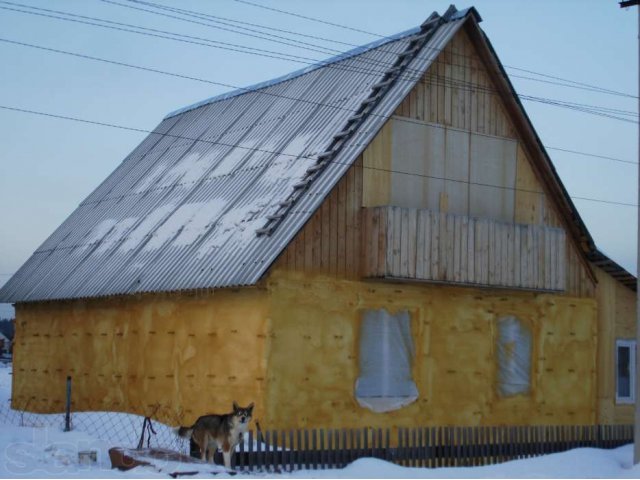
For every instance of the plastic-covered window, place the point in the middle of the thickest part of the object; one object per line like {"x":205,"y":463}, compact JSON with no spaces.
{"x":514,"y":357}
{"x":386,"y":355}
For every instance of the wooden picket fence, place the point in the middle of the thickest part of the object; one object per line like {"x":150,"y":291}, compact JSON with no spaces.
{"x":274,"y":451}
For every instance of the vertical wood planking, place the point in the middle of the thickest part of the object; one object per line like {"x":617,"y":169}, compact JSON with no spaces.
{"x":457,"y":249}
{"x":422,"y":248}
{"x":470,"y":266}
{"x":403,"y":254}
{"x":383,"y":242}
{"x":435,"y":245}
{"x":412,"y":242}
{"x":332,"y":240}
{"x":443,"y":245}
{"x":427,"y":245}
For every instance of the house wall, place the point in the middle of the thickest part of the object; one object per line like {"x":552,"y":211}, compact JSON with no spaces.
{"x":616,"y":321}
{"x":318,"y":295}
{"x":313,"y":362}
{"x":330,"y":241}
{"x":171,"y":356}
{"x":440,"y":106}
{"x":453,"y":120}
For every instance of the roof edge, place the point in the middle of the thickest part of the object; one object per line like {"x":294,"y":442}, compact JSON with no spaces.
{"x":578,"y":229}
{"x":451,"y":14}
{"x":613,"y":269}
{"x":296,"y":73}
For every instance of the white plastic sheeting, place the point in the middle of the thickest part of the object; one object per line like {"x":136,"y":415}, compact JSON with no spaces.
{"x":386,"y":355}
{"x":514,"y":357}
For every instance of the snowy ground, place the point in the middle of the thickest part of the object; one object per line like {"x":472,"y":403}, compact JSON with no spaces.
{"x":28,"y":452}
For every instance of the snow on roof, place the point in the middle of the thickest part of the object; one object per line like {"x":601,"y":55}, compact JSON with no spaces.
{"x":182,"y":211}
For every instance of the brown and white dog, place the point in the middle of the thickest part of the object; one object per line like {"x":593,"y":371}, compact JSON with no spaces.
{"x":219,"y":431}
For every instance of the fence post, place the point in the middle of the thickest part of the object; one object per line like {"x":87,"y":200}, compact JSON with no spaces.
{"x":67,"y":416}
{"x":292,"y":452}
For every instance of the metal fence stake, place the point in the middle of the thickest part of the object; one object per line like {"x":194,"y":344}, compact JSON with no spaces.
{"x":67,"y":416}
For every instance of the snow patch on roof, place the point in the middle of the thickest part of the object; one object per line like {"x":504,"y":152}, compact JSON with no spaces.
{"x":116,"y":233}
{"x":201,"y":220}
{"x":98,"y":232}
{"x":134,"y":239}
{"x":239,"y":222}
{"x":234,"y":158}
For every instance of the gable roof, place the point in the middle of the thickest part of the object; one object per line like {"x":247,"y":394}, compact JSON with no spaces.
{"x":217,"y":191}
{"x":220,"y":188}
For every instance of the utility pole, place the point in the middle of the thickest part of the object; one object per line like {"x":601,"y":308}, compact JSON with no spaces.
{"x":636,"y":428}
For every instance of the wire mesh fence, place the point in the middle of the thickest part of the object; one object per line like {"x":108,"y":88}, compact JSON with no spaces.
{"x":116,"y":428}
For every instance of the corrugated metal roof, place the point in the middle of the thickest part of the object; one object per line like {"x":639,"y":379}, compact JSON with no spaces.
{"x":182,"y":210}
{"x":619,"y":273}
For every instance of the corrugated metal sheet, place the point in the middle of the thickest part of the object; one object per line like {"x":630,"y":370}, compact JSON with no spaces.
{"x":182,"y":210}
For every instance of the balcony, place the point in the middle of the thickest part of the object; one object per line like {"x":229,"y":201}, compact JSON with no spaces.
{"x":424,"y":245}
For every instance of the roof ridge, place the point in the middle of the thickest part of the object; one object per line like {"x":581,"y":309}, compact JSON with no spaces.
{"x":297,"y":73}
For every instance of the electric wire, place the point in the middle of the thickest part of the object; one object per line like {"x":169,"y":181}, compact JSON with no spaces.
{"x":261,"y":35}
{"x":264,"y":92}
{"x":322,"y":49}
{"x":260,"y":52}
{"x":217,"y":18}
{"x":346,"y":27}
{"x":280,"y":153}
{"x":313,"y":19}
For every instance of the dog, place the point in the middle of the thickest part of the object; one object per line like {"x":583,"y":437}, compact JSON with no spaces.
{"x":219,"y":431}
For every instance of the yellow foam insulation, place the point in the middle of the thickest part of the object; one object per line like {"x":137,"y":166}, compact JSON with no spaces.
{"x":174,"y":357}
{"x":292,"y":348}
{"x":313,"y":361}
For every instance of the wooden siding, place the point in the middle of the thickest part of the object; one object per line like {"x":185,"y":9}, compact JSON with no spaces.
{"x":458,"y":92}
{"x":376,"y":162}
{"x":442,"y":168}
{"x":532,"y":204}
{"x":330,"y":241}
{"x":418,"y":244}
{"x":616,"y":321}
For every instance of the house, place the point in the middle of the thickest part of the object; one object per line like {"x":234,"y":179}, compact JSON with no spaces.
{"x":5,"y":344}
{"x":380,"y":239}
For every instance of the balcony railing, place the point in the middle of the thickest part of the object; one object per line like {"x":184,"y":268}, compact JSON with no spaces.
{"x":423,"y":245}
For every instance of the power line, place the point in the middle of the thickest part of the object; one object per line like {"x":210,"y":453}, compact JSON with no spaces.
{"x":317,"y":48}
{"x":241,"y":22}
{"x":207,"y":17}
{"x":259,"y":52}
{"x":198,"y":41}
{"x":280,"y":153}
{"x":254,"y":51}
{"x":159,"y":33}
{"x":578,"y":84}
{"x":346,"y":27}
{"x":277,"y":38}
{"x":263,"y":92}
{"x":604,"y":157}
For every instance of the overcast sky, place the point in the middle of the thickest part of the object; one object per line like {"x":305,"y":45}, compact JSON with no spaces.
{"x":48,"y":166}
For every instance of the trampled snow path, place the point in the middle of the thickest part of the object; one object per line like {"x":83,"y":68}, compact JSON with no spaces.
{"x":27,"y":452}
